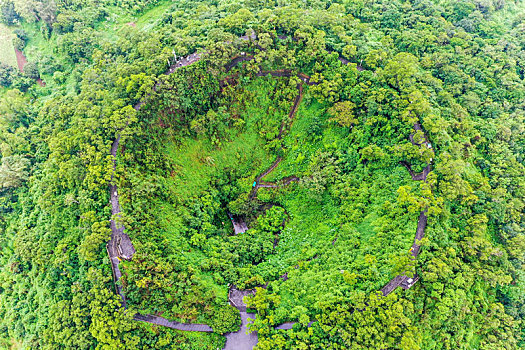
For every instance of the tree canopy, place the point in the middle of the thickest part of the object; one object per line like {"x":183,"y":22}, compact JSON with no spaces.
{"x":327,"y":127}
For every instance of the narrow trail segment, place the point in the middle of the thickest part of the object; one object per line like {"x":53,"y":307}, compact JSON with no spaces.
{"x":120,"y":246}
{"x":241,"y":339}
{"x":161,"y":321}
{"x":291,"y":116}
{"x":403,"y":280}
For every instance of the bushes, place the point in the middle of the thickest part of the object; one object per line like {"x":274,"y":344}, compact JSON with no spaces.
{"x":19,"y":41}
{"x":8,"y":14}
{"x":59,"y":77}
{"x":21,"y":82}
{"x":48,"y":65}
{"x":11,"y":78}
{"x":13,"y":171}
{"x":31,"y":70}
{"x":77,"y":45}
{"x":226,"y":320}
{"x":7,"y":75}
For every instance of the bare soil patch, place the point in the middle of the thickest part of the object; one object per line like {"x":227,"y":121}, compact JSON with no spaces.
{"x":21,"y":60}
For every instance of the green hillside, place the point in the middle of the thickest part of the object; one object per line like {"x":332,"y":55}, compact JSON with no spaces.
{"x":356,"y":167}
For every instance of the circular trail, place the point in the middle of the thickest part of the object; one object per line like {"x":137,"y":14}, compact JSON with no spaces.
{"x":120,"y":245}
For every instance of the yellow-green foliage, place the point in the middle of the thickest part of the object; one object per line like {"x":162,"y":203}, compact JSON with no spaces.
{"x":7,"y":51}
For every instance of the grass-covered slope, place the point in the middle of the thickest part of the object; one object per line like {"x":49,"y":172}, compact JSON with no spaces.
{"x":7,"y":51}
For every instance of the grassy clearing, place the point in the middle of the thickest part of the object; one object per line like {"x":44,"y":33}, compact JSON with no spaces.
{"x":198,"y":162}
{"x":150,"y":17}
{"x":119,"y":20}
{"x":303,"y":140}
{"x":7,"y":50}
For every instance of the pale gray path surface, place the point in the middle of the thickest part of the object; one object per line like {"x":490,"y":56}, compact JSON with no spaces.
{"x":161,"y":321}
{"x":240,"y":340}
{"x":239,"y":225}
{"x":289,"y":325}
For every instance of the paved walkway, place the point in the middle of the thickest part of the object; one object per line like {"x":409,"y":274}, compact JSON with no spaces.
{"x":241,"y":340}
{"x":403,"y":280}
{"x":161,"y":321}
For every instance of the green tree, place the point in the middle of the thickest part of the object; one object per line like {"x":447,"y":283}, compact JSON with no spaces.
{"x":343,"y":113}
{"x":13,"y":171}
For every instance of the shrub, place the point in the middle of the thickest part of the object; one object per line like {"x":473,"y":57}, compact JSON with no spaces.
{"x":226,"y":320}
{"x":59,"y":77}
{"x":31,"y":70}
{"x":7,"y":74}
{"x":21,"y":82}
{"x":18,"y":43}
{"x":8,"y":14}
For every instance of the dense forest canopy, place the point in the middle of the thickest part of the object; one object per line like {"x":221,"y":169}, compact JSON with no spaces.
{"x":328,"y":127}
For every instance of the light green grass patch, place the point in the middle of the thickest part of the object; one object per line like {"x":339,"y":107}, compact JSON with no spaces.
{"x":7,"y":50}
{"x":150,"y":17}
{"x":197,"y":162}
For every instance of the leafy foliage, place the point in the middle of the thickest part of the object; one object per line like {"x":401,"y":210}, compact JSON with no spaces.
{"x":318,"y":249}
